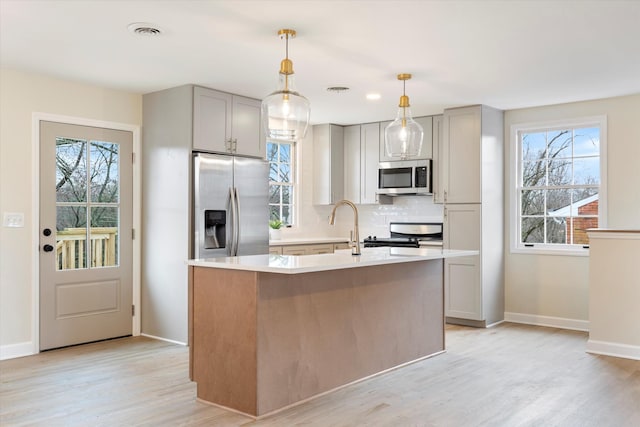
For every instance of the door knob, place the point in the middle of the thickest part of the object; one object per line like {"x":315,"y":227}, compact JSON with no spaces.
{"x":46,"y":232}
{"x":47,"y":248}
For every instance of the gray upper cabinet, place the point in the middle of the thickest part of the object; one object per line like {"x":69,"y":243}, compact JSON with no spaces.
{"x":436,"y":168}
{"x":427,"y":140}
{"x":352,"y":153}
{"x":361,"y":163}
{"x":369,"y":159}
{"x":328,"y":164}
{"x":226,"y":123}
{"x":471,"y":152}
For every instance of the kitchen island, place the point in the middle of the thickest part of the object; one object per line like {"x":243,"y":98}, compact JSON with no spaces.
{"x":269,"y":331}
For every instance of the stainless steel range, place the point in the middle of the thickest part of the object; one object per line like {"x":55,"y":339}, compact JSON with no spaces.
{"x":409,"y":235}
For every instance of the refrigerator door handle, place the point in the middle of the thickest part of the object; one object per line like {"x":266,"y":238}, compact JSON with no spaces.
{"x":234,"y":216}
{"x":236,"y":227}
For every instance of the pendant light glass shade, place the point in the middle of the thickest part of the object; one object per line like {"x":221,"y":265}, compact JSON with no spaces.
{"x":286,"y":113}
{"x":403,"y":136}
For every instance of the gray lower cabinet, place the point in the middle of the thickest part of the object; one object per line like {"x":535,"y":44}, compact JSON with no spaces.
{"x":307,"y":249}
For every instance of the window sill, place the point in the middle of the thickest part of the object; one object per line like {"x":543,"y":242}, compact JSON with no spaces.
{"x":554,"y":252}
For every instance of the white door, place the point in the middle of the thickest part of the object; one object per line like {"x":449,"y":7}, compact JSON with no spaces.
{"x":86,"y":248}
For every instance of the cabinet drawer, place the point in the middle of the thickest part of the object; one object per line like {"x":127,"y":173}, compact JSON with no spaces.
{"x":294,"y":250}
{"x":275,"y":250}
{"x":307,"y":249}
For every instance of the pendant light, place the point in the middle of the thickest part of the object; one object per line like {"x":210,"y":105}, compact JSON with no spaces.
{"x":285,"y":113}
{"x":403,"y":136}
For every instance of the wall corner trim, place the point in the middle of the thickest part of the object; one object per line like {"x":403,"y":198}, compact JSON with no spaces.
{"x":11,"y":351}
{"x":549,"y":321}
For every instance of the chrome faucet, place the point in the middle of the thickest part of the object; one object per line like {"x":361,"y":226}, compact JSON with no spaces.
{"x":354,"y":236}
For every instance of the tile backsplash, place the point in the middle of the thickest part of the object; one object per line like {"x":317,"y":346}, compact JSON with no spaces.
{"x":373,"y":219}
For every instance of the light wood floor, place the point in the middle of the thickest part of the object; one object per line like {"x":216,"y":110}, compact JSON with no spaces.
{"x":510,"y":375}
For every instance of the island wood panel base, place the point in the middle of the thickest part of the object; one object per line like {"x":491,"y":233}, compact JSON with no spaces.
{"x":265,"y":341}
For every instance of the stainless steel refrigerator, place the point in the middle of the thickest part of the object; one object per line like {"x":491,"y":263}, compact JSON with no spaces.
{"x":230,"y":206}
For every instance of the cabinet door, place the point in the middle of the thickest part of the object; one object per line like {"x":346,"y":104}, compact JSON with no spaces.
{"x":462,"y":227}
{"x":383,"y":154}
{"x":352,"y":172}
{"x":462,"y":290}
{"x":462,"y":150}
{"x":246,"y":129}
{"x":275,"y":250}
{"x":320,"y":249}
{"x":328,"y":164}
{"x":437,"y":160}
{"x":211,"y":120}
{"x":426,"y":151}
{"x":369,"y":159}
{"x":294,"y":250}
{"x":463,"y":287}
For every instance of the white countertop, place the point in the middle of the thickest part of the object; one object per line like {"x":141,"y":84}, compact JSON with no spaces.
{"x":307,"y":241}
{"x":287,"y":264}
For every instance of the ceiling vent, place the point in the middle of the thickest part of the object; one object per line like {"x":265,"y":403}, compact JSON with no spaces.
{"x":337,"y":89}
{"x":144,"y":29}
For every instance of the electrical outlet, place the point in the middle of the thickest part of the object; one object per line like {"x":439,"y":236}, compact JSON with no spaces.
{"x":13,"y":219}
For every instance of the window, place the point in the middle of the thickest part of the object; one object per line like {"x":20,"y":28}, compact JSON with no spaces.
{"x":559,"y":185}
{"x":281,"y":181}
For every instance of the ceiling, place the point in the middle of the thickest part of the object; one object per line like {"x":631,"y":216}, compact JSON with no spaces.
{"x":506,"y":54}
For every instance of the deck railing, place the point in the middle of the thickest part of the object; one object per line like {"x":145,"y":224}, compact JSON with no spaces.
{"x":71,"y":250}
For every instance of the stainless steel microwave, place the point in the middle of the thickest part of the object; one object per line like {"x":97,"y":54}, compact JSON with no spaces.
{"x":406,"y":177}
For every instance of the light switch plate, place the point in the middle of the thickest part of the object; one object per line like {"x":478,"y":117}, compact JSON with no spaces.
{"x":13,"y":219}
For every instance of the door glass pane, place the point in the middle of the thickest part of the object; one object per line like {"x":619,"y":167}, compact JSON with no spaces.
{"x":71,"y":170}
{"x":73,"y":157}
{"x":104,"y":236}
{"x":105,"y":182}
{"x":71,"y":237}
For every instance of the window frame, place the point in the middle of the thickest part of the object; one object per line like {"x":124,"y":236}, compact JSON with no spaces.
{"x":293,"y":182}
{"x":515,"y":208}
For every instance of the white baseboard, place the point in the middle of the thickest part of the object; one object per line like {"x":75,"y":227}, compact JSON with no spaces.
{"x":12,"y":351}
{"x":614,"y":349}
{"x":553,"y":322}
{"x":164,"y":339}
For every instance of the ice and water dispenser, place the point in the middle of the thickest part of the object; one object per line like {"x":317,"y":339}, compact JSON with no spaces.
{"x":214,"y":229}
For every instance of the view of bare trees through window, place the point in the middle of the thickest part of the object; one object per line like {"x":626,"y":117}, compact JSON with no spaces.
{"x":560,"y":181}
{"x":87,"y":205}
{"x":280,"y":155}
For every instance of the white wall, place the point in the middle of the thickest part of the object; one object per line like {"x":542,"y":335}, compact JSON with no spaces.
{"x":313,"y":220}
{"x":551,"y":289}
{"x":21,"y":95}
